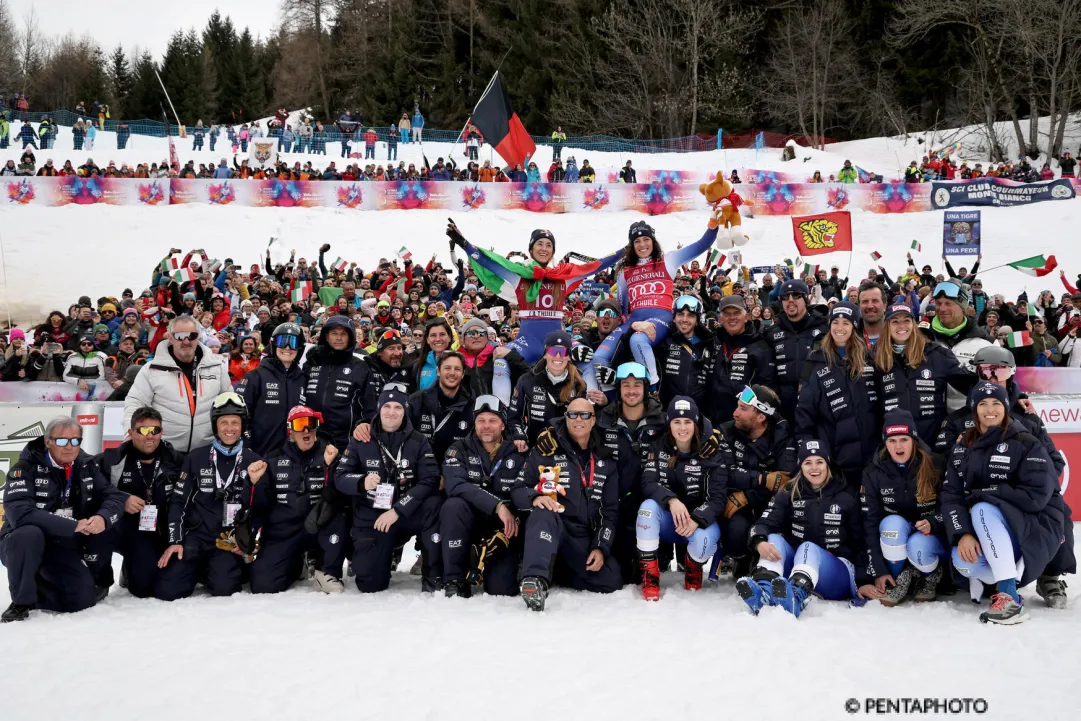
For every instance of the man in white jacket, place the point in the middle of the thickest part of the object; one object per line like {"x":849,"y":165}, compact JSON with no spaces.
{"x":86,"y":366}
{"x":181,"y":382}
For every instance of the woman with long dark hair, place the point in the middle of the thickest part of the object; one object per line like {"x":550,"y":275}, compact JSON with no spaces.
{"x":902,"y":523}
{"x":1000,"y":493}
{"x":685,"y":494}
{"x":542,"y":394}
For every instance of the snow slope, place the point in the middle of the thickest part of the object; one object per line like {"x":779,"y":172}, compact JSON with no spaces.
{"x":405,"y":655}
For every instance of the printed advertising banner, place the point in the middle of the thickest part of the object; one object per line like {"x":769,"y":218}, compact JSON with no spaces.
{"x":997,"y":191}
{"x":670,"y":192}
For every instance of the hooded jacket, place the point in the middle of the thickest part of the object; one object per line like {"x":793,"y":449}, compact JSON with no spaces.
{"x":334,"y":384}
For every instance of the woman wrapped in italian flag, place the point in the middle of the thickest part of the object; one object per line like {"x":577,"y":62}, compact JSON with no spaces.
{"x":538,"y":288}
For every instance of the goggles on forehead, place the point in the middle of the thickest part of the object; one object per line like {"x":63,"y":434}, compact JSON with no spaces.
{"x":747,"y":396}
{"x":632,"y":370}
{"x":948,"y":289}
{"x":687,"y":302}
{"x":488,"y":403}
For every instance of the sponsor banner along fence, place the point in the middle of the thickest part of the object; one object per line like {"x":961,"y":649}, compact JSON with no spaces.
{"x":668,"y":192}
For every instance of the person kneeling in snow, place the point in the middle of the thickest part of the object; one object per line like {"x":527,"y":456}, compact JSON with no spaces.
{"x":211,"y":530}
{"x":821,"y":513}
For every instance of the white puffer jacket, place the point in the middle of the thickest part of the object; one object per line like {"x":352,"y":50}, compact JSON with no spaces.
{"x":185,"y":417}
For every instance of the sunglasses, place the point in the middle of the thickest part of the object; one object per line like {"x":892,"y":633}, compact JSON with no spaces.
{"x":192,"y":336}
{"x":475,"y":333}
{"x":747,"y":396}
{"x":299,"y":425}
{"x":557,"y":351}
{"x":148,"y":431}
{"x":607,"y":313}
{"x":86,"y":344}
{"x":791,"y":296}
{"x":579,"y":415}
{"x":286,"y":341}
{"x":65,"y":442}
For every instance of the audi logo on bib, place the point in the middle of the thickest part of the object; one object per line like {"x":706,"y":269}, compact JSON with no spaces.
{"x":649,"y":286}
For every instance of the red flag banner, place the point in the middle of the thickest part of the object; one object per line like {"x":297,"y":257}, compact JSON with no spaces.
{"x":500,"y":125}
{"x":822,"y":232}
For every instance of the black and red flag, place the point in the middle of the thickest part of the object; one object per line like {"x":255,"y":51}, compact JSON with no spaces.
{"x":501,"y":126}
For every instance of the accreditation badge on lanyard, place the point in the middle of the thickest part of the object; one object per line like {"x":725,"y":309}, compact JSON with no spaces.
{"x":384,"y":492}
{"x":148,"y":516}
{"x":229,"y":510}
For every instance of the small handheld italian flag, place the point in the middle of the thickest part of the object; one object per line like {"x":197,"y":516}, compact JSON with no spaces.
{"x":183,"y":275}
{"x":301,"y":291}
{"x":916,"y":246}
{"x":1019,"y":339}
{"x":809,"y":269}
{"x":1037,"y":265}
{"x":340,"y":264}
{"x":169,"y":265}
{"x":214,"y":265}
{"x":404,"y":253}
{"x":716,"y":258}
{"x":876,"y":256}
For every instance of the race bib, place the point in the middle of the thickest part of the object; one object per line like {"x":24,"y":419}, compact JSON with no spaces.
{"x":231,"y":509}
{"x":148,"y":518}
{"x":384,"y":496}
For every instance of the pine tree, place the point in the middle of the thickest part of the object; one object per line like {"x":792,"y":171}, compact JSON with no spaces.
{"x":122,"y":81}
{"x":145,"y":98}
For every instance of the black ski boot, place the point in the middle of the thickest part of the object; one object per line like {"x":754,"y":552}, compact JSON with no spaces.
{"x":1052,"y":590}
{"x":534,"y":591}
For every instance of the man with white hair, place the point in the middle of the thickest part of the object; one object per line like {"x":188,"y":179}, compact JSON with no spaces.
{"x":57,"y":506}
{"x":181,"y":382}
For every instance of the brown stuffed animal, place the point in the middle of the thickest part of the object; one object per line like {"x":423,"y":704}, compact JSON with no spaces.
{"x":548,"y":484}
{"x":725,"y":202}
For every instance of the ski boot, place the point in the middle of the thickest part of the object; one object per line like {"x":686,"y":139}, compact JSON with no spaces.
{"x":461,"y":589}
{"x":927,"y":586}
{"x":1052,"y":590}
{"x":692,"y":576}
{"x":792,"y":594}
{"x":534,"y":591}
{"x":651,"y":576}
{"x":902,"y":584}
{"x":1004,"y":611}
{"x":327,"y":584}
{"x":757,"y":591}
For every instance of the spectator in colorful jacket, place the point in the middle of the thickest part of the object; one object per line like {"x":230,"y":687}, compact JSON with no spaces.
{"x":848,"y":173}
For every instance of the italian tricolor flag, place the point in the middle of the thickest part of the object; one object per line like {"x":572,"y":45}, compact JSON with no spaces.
{"x":716,"y":258}
{"x":809,"y":269}
{"x":1019,"y":339}
{"x":183,"y":275}
{"x":404,"y":253}
{"x":301,"y":291}
{"x":1037,"y":265}
{"x":916,"y":246}
{"x":169,"y":265}
{"x":340,"y":264}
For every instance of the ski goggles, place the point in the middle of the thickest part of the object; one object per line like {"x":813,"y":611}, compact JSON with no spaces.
{"x":747,"y":396}
{"x":147,"y":431}
{"x":557,"y":351}
{"x":65,"y":442}
{"x":390,"y":335}
{"x":307,"y":423}
{"x":227,"y":398}
{"x":607,"y":313}
{"x":948,"y":289}
{"x":286,"y":341}
{"x":632,"y":370}
{"x":994,"y":372}
{"x":489,"y":404}
{"x":688,"y":303}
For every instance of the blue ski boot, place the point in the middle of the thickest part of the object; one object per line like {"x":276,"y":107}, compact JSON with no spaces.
{"x":756,"y":594}
{"x":792,"y":595}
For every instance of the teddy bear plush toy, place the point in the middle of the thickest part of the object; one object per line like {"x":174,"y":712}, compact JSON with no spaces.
{"x":548,"y":484}
{"x":725,"y":202}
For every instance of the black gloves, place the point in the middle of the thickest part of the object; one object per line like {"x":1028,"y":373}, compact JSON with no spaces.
{"x":581,"y":354}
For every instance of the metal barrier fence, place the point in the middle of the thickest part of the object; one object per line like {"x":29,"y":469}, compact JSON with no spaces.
{"x":608,"y":143}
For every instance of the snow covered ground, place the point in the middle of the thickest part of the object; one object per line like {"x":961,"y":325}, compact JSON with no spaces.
{"x":405,"y":655}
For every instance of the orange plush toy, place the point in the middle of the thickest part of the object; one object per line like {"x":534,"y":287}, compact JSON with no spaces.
{"x":725,"y":202}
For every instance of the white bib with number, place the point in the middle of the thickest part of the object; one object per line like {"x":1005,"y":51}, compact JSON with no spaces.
{"x":231,"y":509}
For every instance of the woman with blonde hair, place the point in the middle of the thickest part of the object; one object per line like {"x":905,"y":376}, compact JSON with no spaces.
{"x":914,"y":373}
{"x":837,"y":400}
